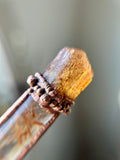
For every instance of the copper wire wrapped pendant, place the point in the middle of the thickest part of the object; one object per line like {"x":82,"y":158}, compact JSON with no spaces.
{"x":43,"y":93}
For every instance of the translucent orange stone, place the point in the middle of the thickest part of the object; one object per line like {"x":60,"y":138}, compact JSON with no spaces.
{"x":70,"y":72}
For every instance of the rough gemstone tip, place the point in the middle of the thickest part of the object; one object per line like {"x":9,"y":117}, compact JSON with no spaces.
{"x":70,"y":72}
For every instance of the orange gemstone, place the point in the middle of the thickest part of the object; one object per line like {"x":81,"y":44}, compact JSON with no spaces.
{"x":70,"y":72}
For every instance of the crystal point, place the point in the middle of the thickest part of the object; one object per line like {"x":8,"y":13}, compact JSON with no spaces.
{"x":70,"y":72}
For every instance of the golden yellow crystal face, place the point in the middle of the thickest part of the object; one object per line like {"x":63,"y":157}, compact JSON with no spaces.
{"x":70,"y":72}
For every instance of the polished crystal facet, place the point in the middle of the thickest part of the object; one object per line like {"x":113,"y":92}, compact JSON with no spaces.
{"x":70,"y":72}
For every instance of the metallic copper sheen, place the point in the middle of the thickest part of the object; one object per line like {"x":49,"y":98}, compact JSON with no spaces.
{"x":46,"y":96}
{"x":32,"y":80}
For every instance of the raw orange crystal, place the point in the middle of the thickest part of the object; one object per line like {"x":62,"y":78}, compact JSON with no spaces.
{"x":70,"y":72}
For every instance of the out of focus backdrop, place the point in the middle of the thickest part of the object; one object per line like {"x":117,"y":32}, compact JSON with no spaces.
{"x":31,"y":34}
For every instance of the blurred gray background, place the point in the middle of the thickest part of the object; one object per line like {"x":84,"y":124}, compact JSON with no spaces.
{"x":31,"y":34}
